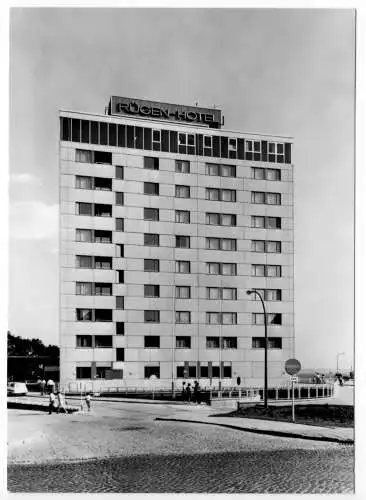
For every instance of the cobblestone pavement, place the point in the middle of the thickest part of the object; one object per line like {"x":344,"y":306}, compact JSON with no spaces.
{"x":139,"y":454}
{"x":276,"y":471}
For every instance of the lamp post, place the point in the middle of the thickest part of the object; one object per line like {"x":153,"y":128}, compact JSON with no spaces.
{"x":338,"y":355}
{"x":265,"y":392}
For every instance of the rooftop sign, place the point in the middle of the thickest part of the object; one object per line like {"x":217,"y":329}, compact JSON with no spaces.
{"x":210,"y":117}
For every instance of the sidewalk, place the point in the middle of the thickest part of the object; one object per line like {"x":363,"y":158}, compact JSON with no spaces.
{"x":269,"y":427}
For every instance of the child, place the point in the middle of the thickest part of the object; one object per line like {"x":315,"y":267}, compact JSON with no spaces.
{"x":88,"y":400}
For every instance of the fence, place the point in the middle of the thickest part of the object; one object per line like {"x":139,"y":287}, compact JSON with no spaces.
{"x":280,"y":393}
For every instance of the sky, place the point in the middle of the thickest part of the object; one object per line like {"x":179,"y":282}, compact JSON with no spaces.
{"x":271,"y":71}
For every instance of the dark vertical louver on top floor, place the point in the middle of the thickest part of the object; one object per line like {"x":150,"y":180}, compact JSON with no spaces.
{"x":241,"y":149}
{"x":148,"y":139}
{"x":173,"y":142}
{"x":287,"y":152}
{"x":224,"y":147}
{"x":111,"y":134}
{"x":264,"y":150}
{"x":199,"y":144}
{"x":216,"y":146}
{"x":165,"y":141}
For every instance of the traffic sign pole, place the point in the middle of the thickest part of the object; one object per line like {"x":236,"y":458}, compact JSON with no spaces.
{"x":293,"y":399}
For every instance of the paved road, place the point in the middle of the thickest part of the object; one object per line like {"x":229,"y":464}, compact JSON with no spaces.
{"x":144,"y":455}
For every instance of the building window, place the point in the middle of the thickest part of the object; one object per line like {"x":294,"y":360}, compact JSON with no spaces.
{"x":182,"y":292}
{"x":220,"y":219}
{"x":183,"y":342}
{"x":214,"y":194}
{"x":182,"y":266}
{"x":151,"y":265}
{"x":120,"y":328}
{"x":84,"y":315}
{"x":102,"y":262}
{"x":182,"y":166}
{"x":84,"y":261}
{"x":152,"y":342}
{"x":151,"y":291}
{"x":121,"y":276}
{"x":220,"y":170}
{"x":103,"y":289}
{"x":229,"y":343}
{"x":216,"y":293}
{"x":119,"y":224}
{"x":268,"y":294}
{"x":216,"y":318}
{"x":152,"y":316}
{"x":84,"y":288}
{"x":276,"y":152}
{"x":120,"y":354}
{"x":83,"y":156}
{"x":272,"y":319}
{"x":266,"y":198}
{"x":225,"y":269}
{"x":182,"y":242}
{"x":156,"y":140}
{"x":83,"y":182}
{"x":266,"y":246}
{"x":84,"y":341}
{"x":151,"y":240}
{"x":101,"y":210}
{"x":103,"y":315}
{"x":84,"y":235}
{"x":207,"y":145}
{"x":273,"y":342}
{"x":119,"y":198}
{"x":266,"y":270}
{"x":213,"y":318}
{"x":101,"y":236}
{"x":259,"y":221}
{"x":152,"y":370}
{"x":84,"y":208}
{"x":212,"y":342}
{"x":151,"y":214}
{"x":151,"y":188}
{"x":269,"y":174}
{"x":227,"y":372}
{"x":182,"y":192}
{"x":103,"y":341}
{"x":120,"y":302}
{"x":120,"y":250}
{"x":102,"y":371}
{"x":182,"y":216}
{"x":119,"y":172}
{"x":151,"y":163}
{"x":182,"y":317}
{"x":83,"y":372}
{"x":102,"y":184}
{"x":227,"y":244}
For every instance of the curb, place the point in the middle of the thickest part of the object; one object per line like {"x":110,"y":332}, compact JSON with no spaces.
{"x":34,"y":406}
{"x":264,"y":431}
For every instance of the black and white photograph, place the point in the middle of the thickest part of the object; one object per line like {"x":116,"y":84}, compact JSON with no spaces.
{"x":181,"y":268}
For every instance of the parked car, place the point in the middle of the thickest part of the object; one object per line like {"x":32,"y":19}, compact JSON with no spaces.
{"x":17,"y":389}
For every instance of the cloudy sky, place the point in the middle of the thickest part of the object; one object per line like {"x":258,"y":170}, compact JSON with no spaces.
{"x":287,"y":72}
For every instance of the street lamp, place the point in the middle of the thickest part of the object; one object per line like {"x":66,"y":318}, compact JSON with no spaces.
{"x":265,"y":392}
{"x":338,"y":355}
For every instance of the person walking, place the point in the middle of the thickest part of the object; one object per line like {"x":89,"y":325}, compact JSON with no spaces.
{"x":188,"y":393}
{"x":61,"y":402}
{"x":51,"y":402}
{"x":197,"y":392}
{"x":50,"y":385}
{"x":88,"y":401}
{"x":43,"y":386}
{"x":184,"y":395}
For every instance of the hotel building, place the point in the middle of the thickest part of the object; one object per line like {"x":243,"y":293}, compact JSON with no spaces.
{"x":166,"y":221}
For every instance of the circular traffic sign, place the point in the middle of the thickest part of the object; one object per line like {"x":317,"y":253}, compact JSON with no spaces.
{"x":292,"y":366}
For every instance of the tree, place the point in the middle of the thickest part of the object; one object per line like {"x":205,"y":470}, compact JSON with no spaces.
{"x":17,"y":346}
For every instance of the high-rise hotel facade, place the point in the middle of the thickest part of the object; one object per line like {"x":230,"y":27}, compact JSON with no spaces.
{"x":166,"y":221}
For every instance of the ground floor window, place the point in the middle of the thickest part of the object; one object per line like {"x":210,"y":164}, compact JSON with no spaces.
{"x":152,"y":370}
{"x":83,"y":372}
